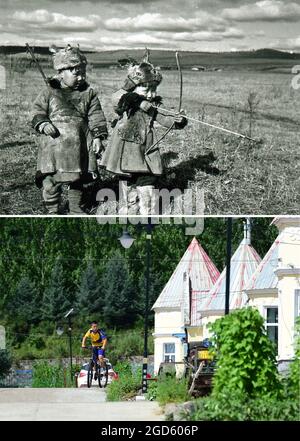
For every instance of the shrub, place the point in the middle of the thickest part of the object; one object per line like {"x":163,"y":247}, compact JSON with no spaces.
{"x":237,"y":408}
{"x":152,"y":390}
{"x":246,"y":362}
{"x":170,"y":389}
{"x":5,"y":362}
{"x":47,"y":375}
{"x":127,"y":343}
{"x":128,"y":384}
{"x":246,"y":385}
{"x":293,"y":381}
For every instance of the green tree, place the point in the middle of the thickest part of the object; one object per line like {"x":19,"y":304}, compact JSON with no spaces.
{"x":5,"y":362}
{"x":57,"y":299}
{"x":29,"y":248}
{"x":119,"y":291}
{"x":90,"y":296}
{"x":25,"y":305}
{"x":294,"y":374}
{"x":246,"y":363}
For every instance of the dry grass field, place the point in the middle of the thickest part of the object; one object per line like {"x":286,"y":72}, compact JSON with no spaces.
{"x":237,"y":176}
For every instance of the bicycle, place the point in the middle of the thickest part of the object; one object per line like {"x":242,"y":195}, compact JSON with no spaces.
{"x":101,"y":372}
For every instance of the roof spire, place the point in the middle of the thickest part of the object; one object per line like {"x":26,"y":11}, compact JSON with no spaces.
{"x":247,"y":231}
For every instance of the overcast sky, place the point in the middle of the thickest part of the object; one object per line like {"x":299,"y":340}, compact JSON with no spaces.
{"x":204,"y":25}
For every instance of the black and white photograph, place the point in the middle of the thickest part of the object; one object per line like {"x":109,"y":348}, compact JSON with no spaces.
{"x":149,"y":215}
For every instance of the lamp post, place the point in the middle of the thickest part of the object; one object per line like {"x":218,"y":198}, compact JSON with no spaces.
{"x":228,"y":262}
{"x":68,"y":316}
{"x":126,"y":241}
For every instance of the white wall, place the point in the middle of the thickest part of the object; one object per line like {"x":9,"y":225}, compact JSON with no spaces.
{"x":288,"y":273}
{"x":286,"y":314}
{"x":262,"y":300}
{"x":205,"y":321}
{"x":167,"y":322}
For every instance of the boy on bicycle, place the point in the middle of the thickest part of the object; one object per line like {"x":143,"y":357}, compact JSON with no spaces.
{"x":99,"y":341}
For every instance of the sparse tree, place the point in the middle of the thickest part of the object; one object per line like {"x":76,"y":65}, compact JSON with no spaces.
{"x":90,"y":296}
{"x":120,"y":293}
{"x":25,"y":304}
{"x":57,"y":298}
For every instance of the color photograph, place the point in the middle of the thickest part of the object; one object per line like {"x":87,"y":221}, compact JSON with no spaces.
{"x":149,"y":215}
{"x":149,"y":323}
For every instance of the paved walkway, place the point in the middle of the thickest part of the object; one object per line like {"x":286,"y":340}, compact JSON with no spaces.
{"x":72,"y":405}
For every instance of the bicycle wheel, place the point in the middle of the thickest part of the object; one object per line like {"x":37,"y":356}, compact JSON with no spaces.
{"x":90,"y":374}
{"x":103,"y":375}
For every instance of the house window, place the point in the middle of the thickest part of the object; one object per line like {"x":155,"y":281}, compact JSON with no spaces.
{"x":297,"y":303}
{"x":272,"y":323}
{"x":169,"y":352}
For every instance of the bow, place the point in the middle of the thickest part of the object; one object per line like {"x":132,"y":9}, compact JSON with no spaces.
{"x":231,"y":132}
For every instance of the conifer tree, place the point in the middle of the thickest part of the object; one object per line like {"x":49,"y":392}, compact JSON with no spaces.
{"x":120,"y":293}
{"x":90,"y":298}
{"x":57,"y":299}
{"x":25,"y":304}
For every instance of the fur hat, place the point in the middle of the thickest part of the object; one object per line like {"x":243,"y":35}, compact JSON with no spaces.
{"x":144,"y":72}
{"x":67,"y":57}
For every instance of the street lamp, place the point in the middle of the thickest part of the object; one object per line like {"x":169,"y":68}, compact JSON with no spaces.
{"x":59,"y":331}
{"x":126,"y":241}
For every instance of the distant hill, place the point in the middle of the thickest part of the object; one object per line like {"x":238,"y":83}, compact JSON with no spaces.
{"x":261,"y":59}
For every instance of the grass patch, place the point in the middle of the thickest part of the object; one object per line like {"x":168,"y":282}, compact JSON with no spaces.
{"x":236,"y":176}
{"x":48,"y":375}
{"x":128,"y":384}
{"x":168,"y":389}
{"x":234,"y":408}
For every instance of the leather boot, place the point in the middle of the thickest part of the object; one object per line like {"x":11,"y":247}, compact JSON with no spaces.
{"x":147,"y":200}
{"x":75,"y":201}
{"x":51,"y":194}
{"x":128,"y":200}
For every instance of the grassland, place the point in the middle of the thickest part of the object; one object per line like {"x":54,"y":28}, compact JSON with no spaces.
{"x":237,"y":176}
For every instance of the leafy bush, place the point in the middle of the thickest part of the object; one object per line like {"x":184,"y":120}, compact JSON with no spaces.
{"x":128,"y":384}
{"x":47,"y":375}
{"x":293,"y":381}
{"x":5,"y":362}
{"x":246,"y":358}
{"x":126,"y":344}
{"x":169,"y":389}
{"x":237,"y":408}
{"x":246,"y":385}
{"x":152,"y":390}
{"x":43,"y":343}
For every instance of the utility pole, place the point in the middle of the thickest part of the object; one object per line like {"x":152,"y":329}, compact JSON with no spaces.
{"x":68,"y":316}
{"x":148,"y":264}
{"x":228,"y":261}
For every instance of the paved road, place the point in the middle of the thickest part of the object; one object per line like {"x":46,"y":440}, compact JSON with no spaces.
{"x":72,"y":405}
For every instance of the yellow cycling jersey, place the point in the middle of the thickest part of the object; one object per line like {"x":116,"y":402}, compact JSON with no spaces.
{"x":96,"y":337}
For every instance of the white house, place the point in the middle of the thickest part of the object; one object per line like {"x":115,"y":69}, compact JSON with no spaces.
{"x":243,"y":264}
{"x":275,"y":287}
{"x":177,"y":305}
{"x":262,"y":290}
{"x":195,"y":294}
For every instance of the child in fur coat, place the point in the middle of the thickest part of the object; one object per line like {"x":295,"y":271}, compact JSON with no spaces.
{"x":69,"y":117}
{"x":133,"y":152}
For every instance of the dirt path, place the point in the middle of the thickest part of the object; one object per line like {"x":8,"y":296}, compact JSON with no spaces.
{"x":72,"y":405}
